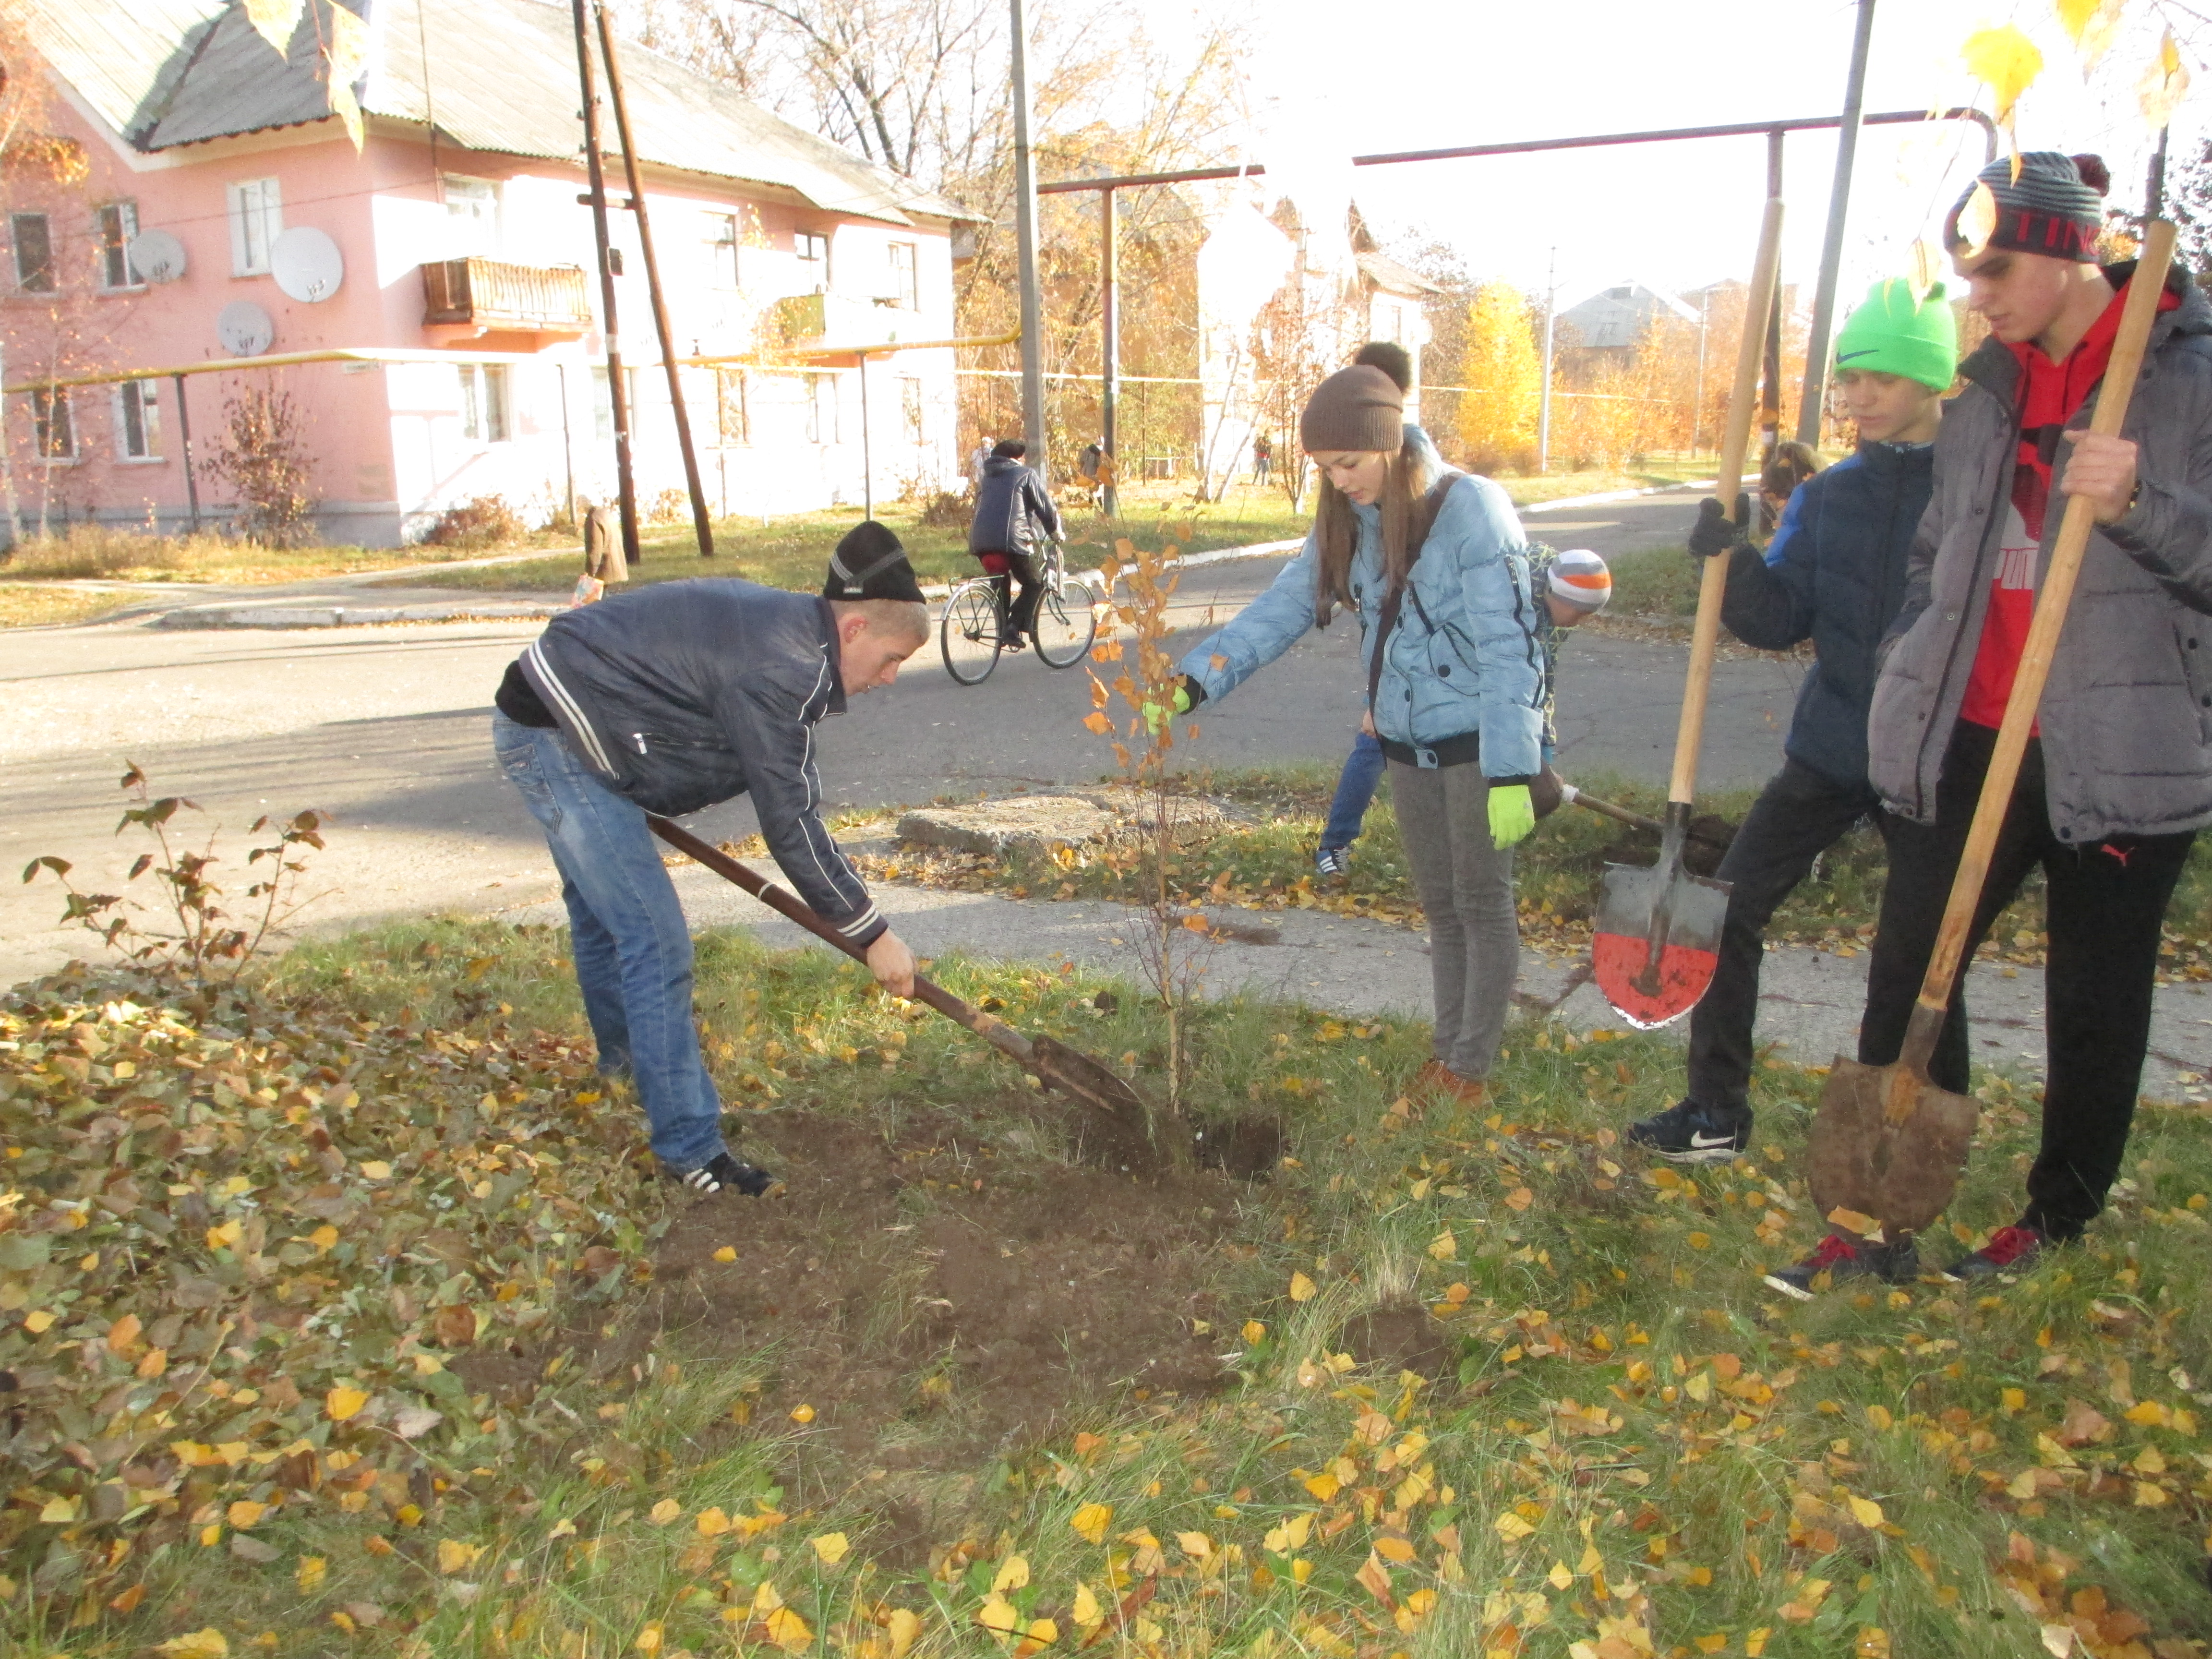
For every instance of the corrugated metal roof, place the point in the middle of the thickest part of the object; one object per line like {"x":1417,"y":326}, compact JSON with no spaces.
{"x":122,"y":57}
{"x":496,"y":75}
{"x":1392,"y":277}
{"x":1616,"y":317}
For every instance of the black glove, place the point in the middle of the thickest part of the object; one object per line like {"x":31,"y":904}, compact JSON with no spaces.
{"x":1544,"y":792}
{"x":1191,"y":689}
{"x":1714,"y":534}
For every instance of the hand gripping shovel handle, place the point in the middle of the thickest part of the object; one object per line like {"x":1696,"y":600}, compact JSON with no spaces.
{"x":2058,"y":590}
{"x":1705,"y":637}
{"x":996,"y":1033}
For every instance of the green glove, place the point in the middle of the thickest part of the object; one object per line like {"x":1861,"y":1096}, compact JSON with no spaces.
{"x":1157,"y":715}
{"x":1512,"y":813}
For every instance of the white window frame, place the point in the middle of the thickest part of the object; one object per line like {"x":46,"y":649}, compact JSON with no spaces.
{"x":58,"y":395}
{"x":256,"y":220}
{"x":115,"y":247}
{"x":822,"y":407}
{"x":914,"y":404}
{"x":486,"y":409}
{"x":475,"y":203}
{"x":725,"y":264}
{"x":733,"y":419}
{"x":812,"y":249}
{"x":603,"y":402}
{"x":143,"y":399}
{"x":50,"y":270}
{"x":906,"y":279}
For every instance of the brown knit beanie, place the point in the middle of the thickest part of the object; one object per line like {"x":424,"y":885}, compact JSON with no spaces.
{"x":1358,"y":408}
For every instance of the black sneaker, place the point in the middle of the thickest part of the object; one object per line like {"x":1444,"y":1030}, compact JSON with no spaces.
{"x":1839,"y":1257}
{"x":726,"y":1172}
{"x":2011,"y":1250}
{"x":1691,"y":1133}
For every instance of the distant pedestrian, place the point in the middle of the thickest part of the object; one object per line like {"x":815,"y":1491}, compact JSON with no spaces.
{"x":1014,"y":517}
{"x":978,"y":461}
{"x":1263,"y":458}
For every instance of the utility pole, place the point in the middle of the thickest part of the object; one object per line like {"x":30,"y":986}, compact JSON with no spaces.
{"x":631,"y":171}
{"x":1544,"y":396}
{"x":1697,"y":401}
{"x":618,"y":395}
{"x":1025,"y":214}
{"x":1110,"y":361}
{"x":1810,"y":403}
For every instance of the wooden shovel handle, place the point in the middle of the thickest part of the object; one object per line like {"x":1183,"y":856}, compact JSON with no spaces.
{"x":1705,"y":636}
{"x":2058,"y":590}
{"x":996,"y":1033}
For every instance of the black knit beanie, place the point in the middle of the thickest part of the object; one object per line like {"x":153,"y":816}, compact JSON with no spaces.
{"x":871,"y":563}
{"x":1358,"y":408}
{"x":2055,"y":207}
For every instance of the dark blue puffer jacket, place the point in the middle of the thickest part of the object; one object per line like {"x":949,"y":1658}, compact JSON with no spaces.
{"x":1834,"y":574}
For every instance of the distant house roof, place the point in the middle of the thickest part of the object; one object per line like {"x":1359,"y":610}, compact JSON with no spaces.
{"x":491,"y":74}
{"x":1614,"y":317}
{"x":1392,"y":277}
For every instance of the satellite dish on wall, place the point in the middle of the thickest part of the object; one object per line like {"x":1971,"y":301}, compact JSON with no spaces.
{"x":156,"y":256}
{"x":307,"y":265}
{"x":245,"y":329}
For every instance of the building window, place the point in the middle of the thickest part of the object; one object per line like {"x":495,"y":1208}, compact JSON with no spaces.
{"x":910,"y":401}
{"x":484,"y":402}
{"x":603,"y":402}
{"x":138,"y":421}
{"x":905,"y":277}
{"x":822,"y":409}
{"x":33,"y":234}
{"x":116,"y":224}
{"x":730,"y":413}
{"x":472,"y":216}
{"x":722,"y":250}
{"x":813,"y":252}
{"x":256,"y":220}
{"x":54,"y":433}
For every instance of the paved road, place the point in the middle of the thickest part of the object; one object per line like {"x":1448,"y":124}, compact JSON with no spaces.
{"x":384,"y":728}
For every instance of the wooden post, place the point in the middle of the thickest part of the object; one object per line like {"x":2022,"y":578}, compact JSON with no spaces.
{"x":1109,"y":364}
{"x":699,"y":520}
{"x":192,"y":479}
{"x":617,"y":394}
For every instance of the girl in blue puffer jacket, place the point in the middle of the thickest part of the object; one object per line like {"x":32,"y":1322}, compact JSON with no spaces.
{"x":1435,"y":566}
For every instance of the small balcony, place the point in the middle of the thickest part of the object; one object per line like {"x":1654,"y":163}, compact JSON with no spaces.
{"x":492,"y":294}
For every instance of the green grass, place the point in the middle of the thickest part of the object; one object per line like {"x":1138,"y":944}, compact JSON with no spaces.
{"x":1657,"y":585}
{"x":1611,"y":1438}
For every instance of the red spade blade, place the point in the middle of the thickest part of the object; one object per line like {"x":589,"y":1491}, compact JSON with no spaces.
{"x":1684,"y":912}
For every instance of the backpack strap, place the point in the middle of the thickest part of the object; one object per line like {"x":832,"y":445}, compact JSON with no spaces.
{"x":1424,"y":519}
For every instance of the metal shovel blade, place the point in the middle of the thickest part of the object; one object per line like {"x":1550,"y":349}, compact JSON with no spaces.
{"x":1658,"y":939}
{"x":1888,"y":1143}
{"x":1116,"y":1116}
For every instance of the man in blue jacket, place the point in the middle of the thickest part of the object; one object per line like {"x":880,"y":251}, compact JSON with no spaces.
{"x":666,"y":699}
{"x":1834,"y":574}
{"x":1014,"y":517}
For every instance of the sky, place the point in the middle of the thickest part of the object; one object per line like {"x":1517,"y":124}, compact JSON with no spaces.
{"x":1676,"y":216}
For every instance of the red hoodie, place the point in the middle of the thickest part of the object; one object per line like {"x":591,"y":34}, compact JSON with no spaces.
{"x":2051,"y":394}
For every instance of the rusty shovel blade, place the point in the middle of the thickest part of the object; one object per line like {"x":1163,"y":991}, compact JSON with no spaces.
{"x":1658,"y":939}
{"x":1888,"y":1143}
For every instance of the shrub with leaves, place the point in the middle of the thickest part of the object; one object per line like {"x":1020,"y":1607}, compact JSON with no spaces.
{"x":261,"y":457}
{"x":481,"y":521}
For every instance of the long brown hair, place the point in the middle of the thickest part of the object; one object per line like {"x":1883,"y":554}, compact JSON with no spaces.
{"x":1412,"y":473}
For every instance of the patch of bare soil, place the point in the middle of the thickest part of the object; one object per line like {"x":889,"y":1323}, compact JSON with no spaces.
{"x":939,"y":1288}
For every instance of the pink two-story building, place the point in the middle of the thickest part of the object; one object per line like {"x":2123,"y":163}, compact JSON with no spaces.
{"x":209,"y":207}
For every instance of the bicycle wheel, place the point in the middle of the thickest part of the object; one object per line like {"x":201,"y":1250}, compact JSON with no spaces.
{"x":968,"y":636}
{"x":1065,"y":623}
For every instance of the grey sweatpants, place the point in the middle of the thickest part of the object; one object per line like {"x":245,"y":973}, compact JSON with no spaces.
{"x":1466,"y":887}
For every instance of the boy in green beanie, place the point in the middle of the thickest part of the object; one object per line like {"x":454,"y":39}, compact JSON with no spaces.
{"x":1833,"y":573}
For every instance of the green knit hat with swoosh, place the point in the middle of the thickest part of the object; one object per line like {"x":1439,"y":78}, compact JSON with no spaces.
{"x":1891,"y":333}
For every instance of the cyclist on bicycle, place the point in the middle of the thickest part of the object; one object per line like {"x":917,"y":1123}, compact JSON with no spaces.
{"x":1014,"y":518}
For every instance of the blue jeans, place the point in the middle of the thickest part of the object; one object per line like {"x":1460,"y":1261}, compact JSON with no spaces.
{"x":1355,"y":788}
{"x":627,"y":934}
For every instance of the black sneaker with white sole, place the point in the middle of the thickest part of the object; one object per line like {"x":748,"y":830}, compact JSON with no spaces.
{"x":1693,"y":1133}
{"x":726,"y":1172}
{"x":1839,"y":1257}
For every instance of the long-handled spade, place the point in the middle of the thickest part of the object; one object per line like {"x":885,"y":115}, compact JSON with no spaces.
{"x":1113,"y":1111}
{"x":1657,"y":936}
{"x":1887,"y":1143}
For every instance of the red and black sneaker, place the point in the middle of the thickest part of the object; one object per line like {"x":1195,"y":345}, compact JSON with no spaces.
{"x":2012,"y":1249}
{"x":1840,"y":1256}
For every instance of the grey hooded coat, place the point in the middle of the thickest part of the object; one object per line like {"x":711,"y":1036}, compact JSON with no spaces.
{"x":2126,"y":718}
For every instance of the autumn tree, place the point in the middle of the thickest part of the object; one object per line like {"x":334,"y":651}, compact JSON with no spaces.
{"x":1504,"y":370}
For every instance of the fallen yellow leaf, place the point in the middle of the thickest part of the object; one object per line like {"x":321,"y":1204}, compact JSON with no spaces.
{"x":998,"y":1613}
{"x":1511,"y":1527}
{"x":454,"y":1555}
{"x":1323,"y":1485}
{"x":244,"y":1514}
{"x":666,"y":1511}
{"x":1091,"y":1521}
{"x":310,"y":1575}
{"x":904,"y":1624}
{"x":788,"y":1631}
{"x":339,"y":1404}
{"x":1866,"y":1512}
{"x":1254,"y":1331}
{"x":1444,"y":1246}
{"x":377,"y":1170}
{"x":1291,"y":1535}
{"x":1196,"y":1545}
{"x":802,"y":1414}
{"x":726,"y":1254}
{"x":209,"y":1644}
{"x":1086,"y":1610}
{"x":830,"y":1546}
{"x":712,"y":1523}
{"x":1396,"y":1551}
{"x":1302,"y":1288}
{"x":648,"y":1639}
{"x":38,"y":1321}
{"x":1013,"y":1573}
{"x":1519,"y":1198}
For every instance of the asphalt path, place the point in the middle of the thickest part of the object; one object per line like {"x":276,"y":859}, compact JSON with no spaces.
{"x":385,"y":729}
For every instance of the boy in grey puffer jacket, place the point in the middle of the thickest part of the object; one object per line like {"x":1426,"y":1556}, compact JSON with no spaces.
{"x":2118,"y":778}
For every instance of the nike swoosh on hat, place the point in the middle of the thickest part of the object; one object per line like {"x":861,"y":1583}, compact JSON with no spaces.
{"x":1845,"y":356}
